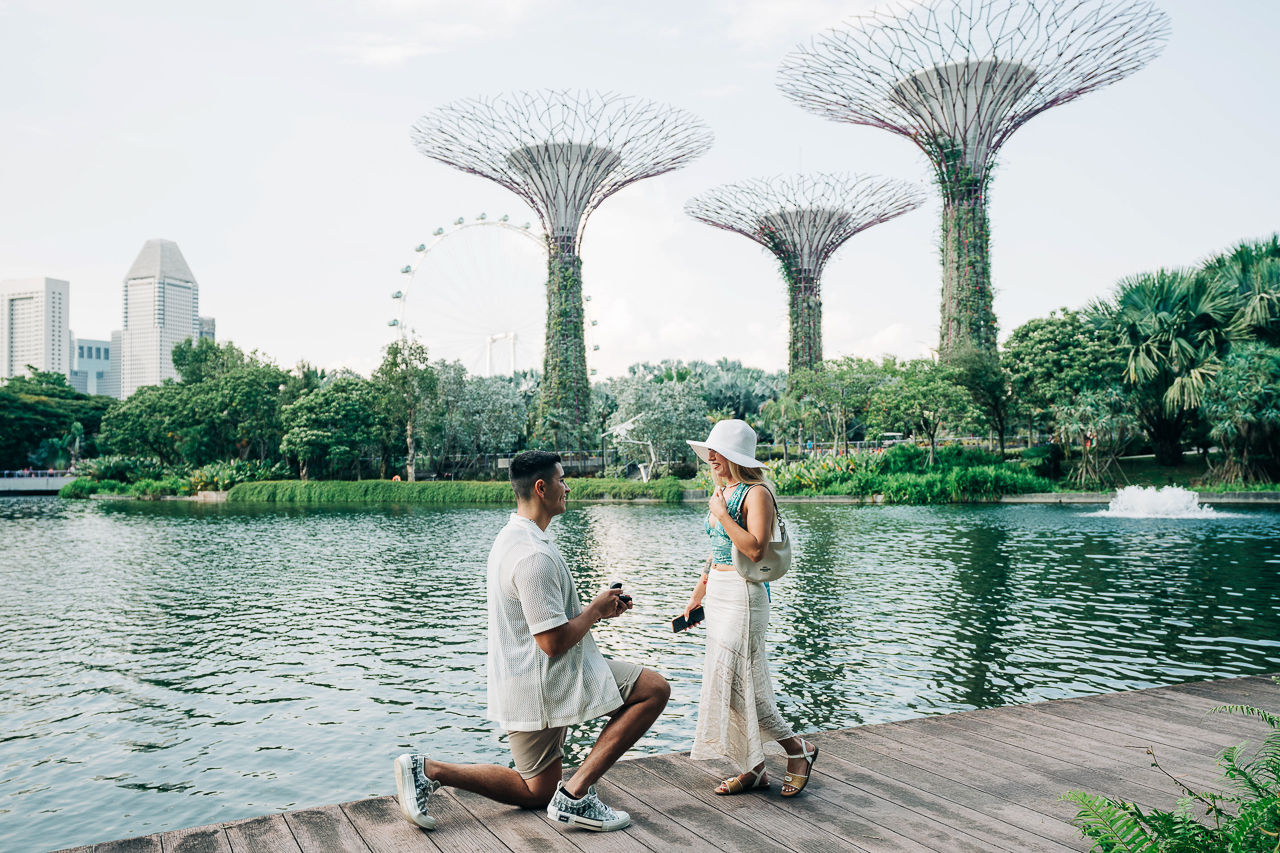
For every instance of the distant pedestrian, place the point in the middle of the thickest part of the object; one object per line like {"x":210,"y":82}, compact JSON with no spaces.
{"x":737,"y":714}
{"x":545,"y":674}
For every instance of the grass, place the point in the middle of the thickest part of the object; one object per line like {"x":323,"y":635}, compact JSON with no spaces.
{"x":667,"y":490}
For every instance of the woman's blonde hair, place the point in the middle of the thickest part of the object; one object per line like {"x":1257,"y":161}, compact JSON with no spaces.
{"x":750,"y":476}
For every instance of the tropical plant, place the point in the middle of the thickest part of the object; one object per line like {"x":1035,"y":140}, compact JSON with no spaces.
{"x":982,"y":372}
{"x":1247,"y":820}
{"x":1242,"y":407}
{"x":1101,"y":423}
{"x":409,"y":388}
{"x":664,"y":414}
{"x":920,"y":396}
{"x":328,"y":428}
{"x":1173,"y":326}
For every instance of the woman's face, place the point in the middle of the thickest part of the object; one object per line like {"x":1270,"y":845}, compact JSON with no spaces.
{"x":718,"y":464}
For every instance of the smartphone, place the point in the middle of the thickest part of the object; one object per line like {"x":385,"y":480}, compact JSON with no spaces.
{"x":679,"y":623}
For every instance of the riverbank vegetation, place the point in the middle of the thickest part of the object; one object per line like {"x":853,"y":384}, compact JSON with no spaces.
{"x":666,"y":490}
{"x":1173,"y":363}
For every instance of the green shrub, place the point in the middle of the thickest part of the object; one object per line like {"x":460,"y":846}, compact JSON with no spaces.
{"x":129,"y":469}
{"x":221,"y":476}
{"x":991,"y":481}
{"x":667,"y":489}
{"x":78,"y":489}
{"x":1247,"y":820}
{"x":158,"y":488}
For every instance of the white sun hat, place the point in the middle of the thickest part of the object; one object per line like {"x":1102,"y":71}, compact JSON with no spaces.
{"x":735,"y":440}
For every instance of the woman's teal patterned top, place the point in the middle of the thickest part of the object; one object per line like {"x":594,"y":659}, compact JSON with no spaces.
{"x":721,"y":544}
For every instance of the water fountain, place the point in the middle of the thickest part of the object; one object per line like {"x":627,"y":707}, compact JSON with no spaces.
{"x":1152,"y":502}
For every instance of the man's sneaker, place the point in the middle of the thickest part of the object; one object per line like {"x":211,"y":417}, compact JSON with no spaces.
{"x":587,"y":812}
{"x":412,"y":789}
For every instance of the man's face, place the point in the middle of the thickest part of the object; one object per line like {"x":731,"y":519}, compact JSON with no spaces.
{"x":556,"y":496}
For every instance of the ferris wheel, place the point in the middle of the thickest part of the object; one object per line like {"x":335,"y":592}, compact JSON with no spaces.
{"x":476,"y":293}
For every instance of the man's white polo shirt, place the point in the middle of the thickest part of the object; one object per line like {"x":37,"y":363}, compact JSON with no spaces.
{"x":531,"y":591}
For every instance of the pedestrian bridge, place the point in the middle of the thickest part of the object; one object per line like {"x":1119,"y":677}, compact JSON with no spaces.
{"x":33,"y":482}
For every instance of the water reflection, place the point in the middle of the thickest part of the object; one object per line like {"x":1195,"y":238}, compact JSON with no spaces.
{"x":170,"y":664}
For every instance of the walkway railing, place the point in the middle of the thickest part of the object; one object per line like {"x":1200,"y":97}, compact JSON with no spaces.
{"x":31,"y":473}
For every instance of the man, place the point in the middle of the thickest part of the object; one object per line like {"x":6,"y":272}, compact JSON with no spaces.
{"x":545,"y":674}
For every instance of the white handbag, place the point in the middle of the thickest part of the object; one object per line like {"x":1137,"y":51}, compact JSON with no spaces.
{"x":776,"y":559}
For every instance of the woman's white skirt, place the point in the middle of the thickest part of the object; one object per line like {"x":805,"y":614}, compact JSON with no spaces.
{"x":737,"y":714}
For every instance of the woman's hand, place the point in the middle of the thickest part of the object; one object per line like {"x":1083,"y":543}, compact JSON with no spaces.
{"x":719,"y":509}
{"x":694,"y":604}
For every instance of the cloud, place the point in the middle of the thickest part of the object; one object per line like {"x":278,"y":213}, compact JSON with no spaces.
{"x":412,"y":28}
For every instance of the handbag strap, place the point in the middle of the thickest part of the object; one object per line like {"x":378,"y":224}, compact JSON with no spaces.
{"x":777,"y":515}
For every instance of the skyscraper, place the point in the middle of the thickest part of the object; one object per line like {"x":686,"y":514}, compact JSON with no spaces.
{"x":33,"y":326}
{"x":161,"y":310}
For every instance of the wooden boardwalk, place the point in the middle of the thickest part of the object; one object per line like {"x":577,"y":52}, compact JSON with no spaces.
{"x":980,"y":781}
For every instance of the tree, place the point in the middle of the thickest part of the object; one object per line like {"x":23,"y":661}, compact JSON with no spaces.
{"x":1242,"y":408}
{"x":922,"y":396}
{"x":328,"y":429}
{"x":781,"y":415}
{"x":409,"y":387}
{"x":1173,"y":326}
{"x":983,"y":374}
{"x":671,"y":413}
{"x":1053,"y":359}
{"x":1099,"y":421}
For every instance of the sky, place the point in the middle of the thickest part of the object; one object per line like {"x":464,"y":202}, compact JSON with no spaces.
{"x":270,"y":140}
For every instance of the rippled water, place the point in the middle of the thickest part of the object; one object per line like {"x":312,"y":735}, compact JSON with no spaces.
{"x":171,"y":664}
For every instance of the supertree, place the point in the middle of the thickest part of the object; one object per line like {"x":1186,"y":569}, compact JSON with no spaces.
{"x":564,"y":153}
{"x":802,"y":220}
{"x":957,"y":78}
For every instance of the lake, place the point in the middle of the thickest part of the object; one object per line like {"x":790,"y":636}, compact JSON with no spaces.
{"x":170,"y":664}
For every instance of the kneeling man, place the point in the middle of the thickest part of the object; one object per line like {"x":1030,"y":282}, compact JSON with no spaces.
{"x":545,"y":674}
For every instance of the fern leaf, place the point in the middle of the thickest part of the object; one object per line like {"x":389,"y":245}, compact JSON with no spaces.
{"x":1249,"y":711}
{"x":1115,"y":827}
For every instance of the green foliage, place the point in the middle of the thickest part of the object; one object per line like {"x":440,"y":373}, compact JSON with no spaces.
{"x":668,"y":413}
{"x":43,"y":408}
{"x":160,"y":488}
{"x":78,"y":489}
{"x":1100,"y":422}
{"x":1052,"y":359}
{"x":565,"y":386}
{"x":409,"y":389}
{"x":475,"y":415}
{"x":1246,"y":821}
{"x":1173,"y":327}
{"x":328,"y":430}
{"x":222,"y":476}
{"x":918,"y":397}
{"x":903,"y":475}
{"x":1242,"y":407}
{"x":983,"y":374}
{"x":666,"y":489}
{"x":129,"y":469}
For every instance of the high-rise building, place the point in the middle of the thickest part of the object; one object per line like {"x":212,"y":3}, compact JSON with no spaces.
{"x":209,"y":328}
{"x":93,"y":362}
{"x":34,"y":314}
{"x":109,"y":384}
{"x":161,"y":310}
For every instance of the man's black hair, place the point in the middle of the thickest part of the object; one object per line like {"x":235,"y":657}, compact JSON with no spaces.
{"x":528,"y":468}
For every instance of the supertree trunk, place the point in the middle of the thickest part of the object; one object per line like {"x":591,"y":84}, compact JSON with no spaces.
{"x":968,"y":312}
{"x":566,"y":391}
{"x":805,"y":304}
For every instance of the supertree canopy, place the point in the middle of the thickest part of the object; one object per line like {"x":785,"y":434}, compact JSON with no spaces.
{"x":958,"y":77}
{"x":802,"y":220}
{"x":563,"y":153}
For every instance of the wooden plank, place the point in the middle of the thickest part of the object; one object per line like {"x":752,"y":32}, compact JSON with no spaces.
{"x":1233,"y":691}
{"x":1139,"y":723}
{"x":651,"y":827}
{"x":140,"y":844}
{"x":802,"y":828}
{"x":920,"y":812}
{"x":86,"y":849}
{"x":200,"y":839}
{"x":1014,"y":809}
{"x":1037,"y":787}
{"x":1049,"y":739}
{"x":717,"y":829}
{"x":267,"y":834}
{"x":1194,"y":711}
{"x":518,"y":829}
{"x":324,"y":830}
{"x":384,"y":829}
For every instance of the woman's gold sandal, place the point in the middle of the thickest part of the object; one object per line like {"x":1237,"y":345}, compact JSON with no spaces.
{"x":735,"y":786}
{"x":797,"y":781}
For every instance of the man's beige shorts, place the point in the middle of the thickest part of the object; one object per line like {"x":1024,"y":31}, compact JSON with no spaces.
{"x":536,"y":751}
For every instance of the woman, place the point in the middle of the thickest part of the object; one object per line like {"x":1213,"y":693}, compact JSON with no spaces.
{"x":737,"y":714}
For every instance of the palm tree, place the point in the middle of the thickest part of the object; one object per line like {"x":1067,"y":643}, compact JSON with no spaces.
{"x":781,"y":414}
{"x":1172,"y":327}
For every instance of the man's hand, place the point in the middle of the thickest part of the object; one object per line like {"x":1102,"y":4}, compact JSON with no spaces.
{"x":608,"y":604}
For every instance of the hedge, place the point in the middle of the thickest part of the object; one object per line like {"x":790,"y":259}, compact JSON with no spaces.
{"x":667,"y":490}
